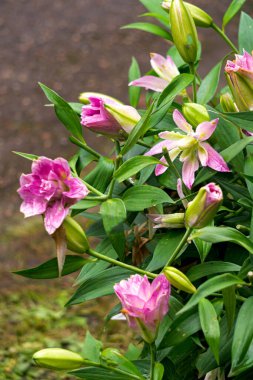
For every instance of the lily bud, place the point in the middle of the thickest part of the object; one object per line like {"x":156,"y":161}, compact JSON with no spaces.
{"x":202,"y":209}
{"x":75,"y":236}
{"x":183,"y":31}
{"x":126,"y":116}
{"x":58,"y":359}
{"x":84,"y":97}
{"x":167,"y":221}
{"x":179,"y":279}
{"x":195,"y":113}
{"x":200,"y":17}
{"x":227,"y":103}
{"x":239,"y":75}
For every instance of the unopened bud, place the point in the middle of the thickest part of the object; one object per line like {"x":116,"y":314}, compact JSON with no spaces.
{"x":179,"y":280}
{"x":183,"y":31}
{"x":250,"y":276}
{"x":58,"y":359}
{"x":168,"y":220}
{"x":200,"y":17}
{"x":75,"y":236}
{"x":202,"y":209}
{"x":227,"y":103}
{"x":84,"y":97}
{"x":195,"y":113}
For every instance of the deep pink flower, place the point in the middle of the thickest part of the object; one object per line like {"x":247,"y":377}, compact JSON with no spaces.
{"x":145,"y":301}
{"x":191,"y":147}
{"x":50,"y":190}
{"x":166,"y":70}
{"x":109,"y":117}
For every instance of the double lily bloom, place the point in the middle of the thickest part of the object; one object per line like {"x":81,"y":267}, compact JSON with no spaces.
{"x":50,"y":190}
{"x":166,"y":70}
{"x":191,"y":147}
{"x":240,"y":79}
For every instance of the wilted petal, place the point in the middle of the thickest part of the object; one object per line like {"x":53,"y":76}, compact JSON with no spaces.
{"x":165,"y":68}
{"x":180,"y":121}
{"x":190,"y":166}
{"x":61,"y":247}
{"x":206,"y":129}
{"x":215,"y":160}
{"x":149,"y":82}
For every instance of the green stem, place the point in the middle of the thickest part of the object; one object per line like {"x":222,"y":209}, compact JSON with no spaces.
{"x":180,"y":246}
{"x":93,"y":190}
{"x":225,"y":37}
{"x":142,"y":143}
{"x":100,"y":256}
{"x":152,"y":348}
{"x":194,"y":86}
{"x":77,"y":142}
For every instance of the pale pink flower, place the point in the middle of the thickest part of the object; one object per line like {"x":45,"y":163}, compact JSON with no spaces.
{"x":50,"y":189}
{"x":144,"y":301}
{"x":166,"y":70}
{"x":191,"y":147}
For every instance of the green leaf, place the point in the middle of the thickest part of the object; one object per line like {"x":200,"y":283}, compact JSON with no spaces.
{"x":91,"y":348}
{"x":211,"y":286}
{"x":210,"y":326}
{"x":245,"y":36}
{"x":112,"y":355}
{"x":242,"y":346}
{"x":177,"y":85}
{"x":28,"y":156}
{"x":154,"y":6}
{"x":164,"y":20}
{"x":134,"y":91}
{"x":133,"y":166}
{"x":209,"y":85}
{"x":203,"y":248}
{"x":101,"y":176}
{"x":158,"y":371}
{"x":113,"y":213}
{"x":229,"y":298}
{"x":99,"y":285}
{"x":221,"y":234}
{"x":49,"y":269}
{"x":232,"y":10}
{"x":64,"y":112}
{"x":150,"y":28}
{"x":139,"y":197}
{"x":164,"y":249}
{"x":96,"y":373}
{"x":211,"y":267}
{"x":233,"y":150}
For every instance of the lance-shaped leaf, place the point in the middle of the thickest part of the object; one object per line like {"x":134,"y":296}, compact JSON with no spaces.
{"x":133,"y":166}
{"x":150,"y":28}
{"x":231,"y":11}
{"x":209,"y":85}
{"x":134,"y":91}
{"x":139,"y":197}
{"x":211,"y":267}
{"x":245,"y":36}
{"x":210,"y":326}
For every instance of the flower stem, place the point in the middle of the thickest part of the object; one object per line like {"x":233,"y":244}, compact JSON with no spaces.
{"x":225,"y":37}
{"x":75,"y":141}
{"x":180,"y":246}
{"x":132,"y":268}
{"x":194,"y":87}
{"x":93,"y":190}
{"x":152,"y":348}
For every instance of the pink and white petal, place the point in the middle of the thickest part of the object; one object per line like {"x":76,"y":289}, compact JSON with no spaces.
{"x":190,"y":166}
{"x":160,"y":169}
{"x":165,"y":68}
{"x":54,"y":216}
{"x":203,"y":155}
{"x":76,"y":189}
{"x":215,"y":160}
{"x":42,"y":167}
{"x":33,"y":206}
{"x":158,"y":148}
{"x":180,"y":121}
{"x":149,"y":82}
{"x":206,"y":129}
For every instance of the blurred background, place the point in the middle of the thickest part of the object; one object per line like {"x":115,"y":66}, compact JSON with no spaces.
{"x":71,"y":46}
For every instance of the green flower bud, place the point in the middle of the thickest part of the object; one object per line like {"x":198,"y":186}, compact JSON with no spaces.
{"x":200,"y":17}
{"x":167,"y":220}
{"x":195,"y":113}
{"x":75,"y":236}
{"x":242,"y":91}
{"x":58,"y":359}
{"x":183,"y":31}
{"x":227,"y":103}
{"x":201,"y":211}
{"x":179,"y":280}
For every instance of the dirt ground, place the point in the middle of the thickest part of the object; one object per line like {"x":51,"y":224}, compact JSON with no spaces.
{"x":71,"y":46}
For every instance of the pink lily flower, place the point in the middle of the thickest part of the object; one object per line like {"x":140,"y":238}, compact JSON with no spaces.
{"x":192,"y":148}
{"x":166,"y":70}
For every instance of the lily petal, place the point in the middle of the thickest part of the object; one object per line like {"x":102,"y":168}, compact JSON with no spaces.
{"x":215,"y":160}
{"x":160,"y":169}
{"x":206,"y":129}
{"x":165,"y":68}
{"x":158,"y":148}
{"x":180,"y":121}
{"x":203,"y":155}
{"x":190,"y":166}
{"x":149,"y":82}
